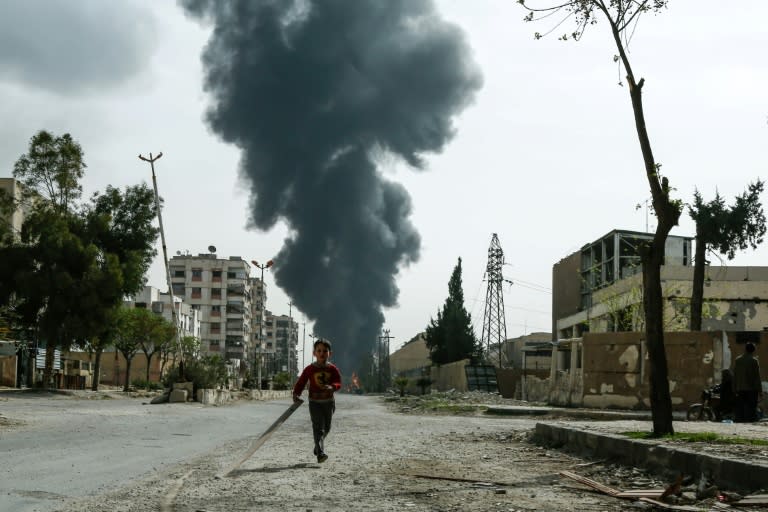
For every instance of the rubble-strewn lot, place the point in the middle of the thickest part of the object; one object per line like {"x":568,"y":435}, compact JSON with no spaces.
{"x":444,"y":454}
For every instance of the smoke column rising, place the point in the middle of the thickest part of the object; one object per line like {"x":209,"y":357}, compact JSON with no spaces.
{"x":311,"y":92}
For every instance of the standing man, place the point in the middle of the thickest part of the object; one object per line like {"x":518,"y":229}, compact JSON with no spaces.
{"x":746,"y":380}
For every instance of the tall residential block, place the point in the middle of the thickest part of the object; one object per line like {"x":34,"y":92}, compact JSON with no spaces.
{"x":220,"y":290}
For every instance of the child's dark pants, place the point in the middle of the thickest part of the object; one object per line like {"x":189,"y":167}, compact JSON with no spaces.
{"x":321,"y":414}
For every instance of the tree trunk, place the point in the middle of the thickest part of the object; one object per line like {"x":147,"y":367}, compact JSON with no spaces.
{"x":667,"y":214}
{"x":149,"y":361}
{"x":127,"y":373}
{"x":661,"y":401}
{"x":96,"y":370}
{"x":50,"y":356}
{"x":697,"y":294}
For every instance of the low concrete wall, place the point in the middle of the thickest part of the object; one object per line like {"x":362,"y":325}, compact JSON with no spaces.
{"x":269,"y":394}
{"x":726,"y":473}
{"x":450,"y":376}
{"x":213,"y":396}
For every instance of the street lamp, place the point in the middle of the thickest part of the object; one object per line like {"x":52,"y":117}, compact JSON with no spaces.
{"x":261,"y":323}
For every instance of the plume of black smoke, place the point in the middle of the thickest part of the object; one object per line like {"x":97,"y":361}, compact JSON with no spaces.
{"x":311,"y":91}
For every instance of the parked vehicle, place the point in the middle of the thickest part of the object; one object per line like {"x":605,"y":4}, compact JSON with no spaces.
{"x":706,"y":410}
{"x":713,"y":408}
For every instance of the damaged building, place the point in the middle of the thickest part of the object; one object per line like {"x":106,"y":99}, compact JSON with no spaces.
{"x":599,"y":356}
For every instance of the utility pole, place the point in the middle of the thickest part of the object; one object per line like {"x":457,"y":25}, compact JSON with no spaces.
{"x":303,"y":343}
{"x":174,"y":315}
{"x":494,"y":322}
{"x":384,"y":359}
{"x":289,"y":338}
{"x":261,"y":324}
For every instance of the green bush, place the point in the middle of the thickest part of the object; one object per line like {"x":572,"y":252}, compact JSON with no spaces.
{"x":401,"y":383}
{"x":207,"y":372}
{"x":282,"y":381}
{"x":143,"y":384}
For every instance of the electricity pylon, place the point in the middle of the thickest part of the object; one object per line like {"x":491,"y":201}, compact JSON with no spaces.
{"x":494,"y":323}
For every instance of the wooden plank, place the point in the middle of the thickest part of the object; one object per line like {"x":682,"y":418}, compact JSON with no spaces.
{"x":641,"y":493}
{"x":755,"y":499}
{"x":610,"y":491}
{"x":667,"y":506}
{"x":261,"y":439}
{"x":458,"y":479}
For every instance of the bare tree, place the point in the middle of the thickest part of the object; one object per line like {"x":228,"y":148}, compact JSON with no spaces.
{"x":622,"y":17}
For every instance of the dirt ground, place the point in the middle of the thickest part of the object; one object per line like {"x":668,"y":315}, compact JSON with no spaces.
{"x":379,"y":461}
{"x":386,"y":454}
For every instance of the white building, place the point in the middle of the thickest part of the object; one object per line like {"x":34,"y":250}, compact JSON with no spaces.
{"x":15,"y":218}
{"x":220,"y":290}
{"x":159,"y":303}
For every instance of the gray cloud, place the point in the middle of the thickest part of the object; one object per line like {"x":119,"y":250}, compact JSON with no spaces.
{"x":74,"y":46}
{"x":311,"y":91}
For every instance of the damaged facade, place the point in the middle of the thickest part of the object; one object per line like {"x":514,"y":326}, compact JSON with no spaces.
{"x":599,"y":357}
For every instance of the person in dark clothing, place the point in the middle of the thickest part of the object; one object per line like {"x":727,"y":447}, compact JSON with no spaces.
{"x":727,"y":395}
{"x":324,"y":380}
{"x":748,"y":385}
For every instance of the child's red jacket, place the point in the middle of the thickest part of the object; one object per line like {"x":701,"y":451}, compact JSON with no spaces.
{"x":318,"y":378}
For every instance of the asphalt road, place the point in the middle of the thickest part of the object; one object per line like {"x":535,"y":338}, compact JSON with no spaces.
{"x":67,"y":447}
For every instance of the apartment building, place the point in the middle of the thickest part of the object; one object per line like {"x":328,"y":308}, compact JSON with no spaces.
{"x":219,"y":289}
{"x":286,"y":336}
{"x":160,"y":304}
{"x":262,"y":349}
{"x":14,"y":219}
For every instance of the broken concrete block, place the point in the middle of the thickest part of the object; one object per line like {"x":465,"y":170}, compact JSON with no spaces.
{"x":178,"y":395}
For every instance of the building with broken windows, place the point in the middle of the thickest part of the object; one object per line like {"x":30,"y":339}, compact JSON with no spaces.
{"x":599,"y":289}
{"x":599,"y":353}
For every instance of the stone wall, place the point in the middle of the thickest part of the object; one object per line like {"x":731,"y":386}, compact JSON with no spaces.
{"x":450,"y":376}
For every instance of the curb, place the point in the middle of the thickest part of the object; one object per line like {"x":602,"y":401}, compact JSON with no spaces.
{"x":574,"y":413}
{"x":725,"y":473}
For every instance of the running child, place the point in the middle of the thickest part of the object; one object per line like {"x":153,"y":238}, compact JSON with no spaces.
{"x":324,"y":380}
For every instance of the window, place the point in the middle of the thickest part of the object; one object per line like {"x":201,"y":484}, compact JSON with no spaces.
{"x":236,"y":273}
{"x":216,"y":276}
{"x":269,"y":344}
{"x":215,"y":328}
{"x":213,"y":343}
{"x":215,"y":293}
{"x":197,"y":274}
{"x":178,"y":289}
{"x":196,"y":293}
{"x":215,"y":310}
{"x":178,"y":273}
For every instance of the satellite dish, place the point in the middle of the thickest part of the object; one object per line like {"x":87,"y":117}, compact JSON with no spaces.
{"x":178,"y":253}
{"x":211,"y":248}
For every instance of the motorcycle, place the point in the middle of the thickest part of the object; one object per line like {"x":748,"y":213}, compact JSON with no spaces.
{"x":711,"y":407}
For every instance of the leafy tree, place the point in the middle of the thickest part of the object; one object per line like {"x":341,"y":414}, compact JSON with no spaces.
{"x":52,"y":170}
{"x":72,"y":264}
{"x":121,"y":224}
{"x":401,"y":383}
{"x":621,"y":17}
{"x":450,"y":337}
{"x":724,"y":229}
{"x":162,"y":334}
{"x":140,"y":329}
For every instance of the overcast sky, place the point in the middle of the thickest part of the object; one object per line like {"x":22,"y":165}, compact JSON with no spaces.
{"x":546,"y":157}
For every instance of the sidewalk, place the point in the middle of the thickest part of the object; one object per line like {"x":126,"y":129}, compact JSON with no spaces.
{"x":739,"y":466}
